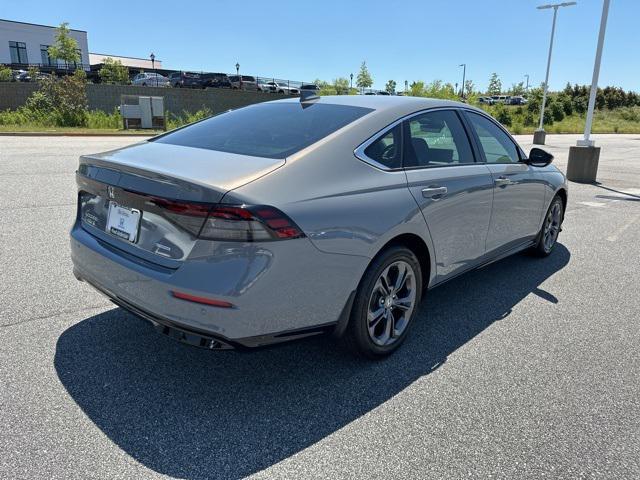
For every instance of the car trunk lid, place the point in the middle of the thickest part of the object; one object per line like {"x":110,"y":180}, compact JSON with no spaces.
{"x":150,"y":200}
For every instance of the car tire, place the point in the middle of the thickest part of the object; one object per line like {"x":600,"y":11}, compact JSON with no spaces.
{"x":551,"y":228}
{"x":385,"y":306}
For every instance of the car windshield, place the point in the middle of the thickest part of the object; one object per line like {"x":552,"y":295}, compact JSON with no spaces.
{"x":271,"y":130}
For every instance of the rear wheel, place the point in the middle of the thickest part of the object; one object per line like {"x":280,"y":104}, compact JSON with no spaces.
{"x":385,"y":304}
{"x":551,"y":227}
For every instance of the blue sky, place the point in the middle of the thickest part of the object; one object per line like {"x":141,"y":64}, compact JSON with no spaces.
{"x":408,"y":40}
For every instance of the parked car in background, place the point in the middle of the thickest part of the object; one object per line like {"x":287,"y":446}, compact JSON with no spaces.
{"x":150,"y":80}
{"x":518,"y":100}
{"x":486,"y":100}
{"x":186,"y":80}
{"x":243,"y":82}
{"x":276,"y":87}
{"x":215,"y":80}
{"x":210,"y":232}
{"x":501,"y":99}
{"x":17,"y":74}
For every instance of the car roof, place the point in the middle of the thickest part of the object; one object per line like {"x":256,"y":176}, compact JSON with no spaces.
{"x":386,"y":102}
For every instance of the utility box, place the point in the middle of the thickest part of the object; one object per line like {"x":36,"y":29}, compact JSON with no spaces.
{"x":142,"y":112}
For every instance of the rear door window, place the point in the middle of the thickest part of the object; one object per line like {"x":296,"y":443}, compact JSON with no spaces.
{"x":436,"y":139}
{"x":272,"y":130}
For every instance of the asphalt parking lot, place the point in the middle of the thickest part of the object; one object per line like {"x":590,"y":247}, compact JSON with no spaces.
{"x":527,"y":368}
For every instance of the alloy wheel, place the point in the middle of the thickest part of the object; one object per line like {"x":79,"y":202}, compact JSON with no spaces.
{"x":391,"y":303}
{"x":552,"y":226}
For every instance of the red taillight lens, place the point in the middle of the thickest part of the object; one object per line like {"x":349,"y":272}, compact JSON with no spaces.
{"x":239,"y":223}
{"x":244,"y":223}
{"x":189,"y":216}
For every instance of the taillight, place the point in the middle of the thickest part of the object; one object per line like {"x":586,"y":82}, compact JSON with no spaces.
{"x":189,"y":216}
{"x":248,"y":223}
{"x":236,"y":223}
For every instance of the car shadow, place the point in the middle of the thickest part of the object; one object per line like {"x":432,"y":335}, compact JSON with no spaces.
{"x":194,"y":414}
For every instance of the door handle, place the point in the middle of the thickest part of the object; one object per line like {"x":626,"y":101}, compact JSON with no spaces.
{"x":502,"y":181}
{"x":435,"y":193}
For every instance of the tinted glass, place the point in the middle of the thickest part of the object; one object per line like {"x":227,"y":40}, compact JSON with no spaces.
{"x":386,"y":150}
{"x":496,"y":145}
{"x":436,"y":139}
{"x":272,"y":130}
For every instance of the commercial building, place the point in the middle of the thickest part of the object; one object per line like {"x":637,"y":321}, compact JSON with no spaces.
{"x":25,"y":44}
{"x":131,"y":62}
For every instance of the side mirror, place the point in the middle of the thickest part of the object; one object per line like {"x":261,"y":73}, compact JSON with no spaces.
{"x":539,"y":158}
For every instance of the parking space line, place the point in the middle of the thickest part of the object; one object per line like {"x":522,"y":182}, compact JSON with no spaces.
{"x":622,"y":229}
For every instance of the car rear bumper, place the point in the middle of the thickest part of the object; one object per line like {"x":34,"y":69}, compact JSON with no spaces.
{"x":279,"y":290}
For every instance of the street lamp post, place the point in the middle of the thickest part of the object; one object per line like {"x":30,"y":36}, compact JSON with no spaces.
{"x":539,"y":134}
{"x":238,"y":74}
{"x":464,"y":72}
{"x":526,"y":89}
{"x":584,"y":156}
{"x":351,"y":82}
{"x":153,"y":66}
{"x":406,"y":87}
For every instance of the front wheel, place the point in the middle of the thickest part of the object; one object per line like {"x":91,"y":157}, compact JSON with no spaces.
{"x":385,"y":304}
{"x":551,"y":228}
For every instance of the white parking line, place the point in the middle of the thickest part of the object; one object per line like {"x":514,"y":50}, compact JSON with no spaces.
{"x":621,"y":230}
{"x":593,"y":204}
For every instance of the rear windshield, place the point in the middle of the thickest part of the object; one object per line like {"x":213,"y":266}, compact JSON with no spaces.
{"x":272,"y":130}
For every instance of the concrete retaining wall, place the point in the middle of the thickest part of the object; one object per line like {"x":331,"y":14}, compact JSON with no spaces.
{"x":107,"y":97}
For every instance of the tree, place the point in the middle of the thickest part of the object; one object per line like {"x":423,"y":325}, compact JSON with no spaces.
{"x":364,"y":79}
{"x":341,"y":86}
{"x":495,"y":85}
{"x":390,"y":87}
{"x":112,"y":71}
{"x":65,"y":47}
{"x":517,"y":89}
{"x":468,"y":88}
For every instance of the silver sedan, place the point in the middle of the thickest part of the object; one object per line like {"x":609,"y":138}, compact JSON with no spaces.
{"x":291,"y":218}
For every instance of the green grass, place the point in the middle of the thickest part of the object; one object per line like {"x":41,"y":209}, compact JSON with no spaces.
{"x":620,"y":120}
{"x":97,"y":122}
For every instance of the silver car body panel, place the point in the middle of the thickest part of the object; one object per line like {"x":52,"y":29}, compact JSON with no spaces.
{"x":348,"y":208}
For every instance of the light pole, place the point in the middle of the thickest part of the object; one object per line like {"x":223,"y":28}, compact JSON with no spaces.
{"x":153,"y":66}
{"x":539,"y":134}
{"x":238,"y":74}
{"x":526,"y":89}
{"x":350,"y":82}
{"x":584,"y":157}
{"x":464,"y":72}
{"x":406,"y":87}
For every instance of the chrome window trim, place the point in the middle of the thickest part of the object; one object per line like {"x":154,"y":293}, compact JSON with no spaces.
{"x":360,"y":155}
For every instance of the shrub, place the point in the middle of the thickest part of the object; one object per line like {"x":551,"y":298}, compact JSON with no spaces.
{"x":98,"y":119}
{"x":557,"y":111}
{"x":69,"y":99}
{"x":528,"y":119}
{"x":38,"y":102}
{"x":503,"y":115}
{"x":516,"y":129}
{"x":5,"y":73}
